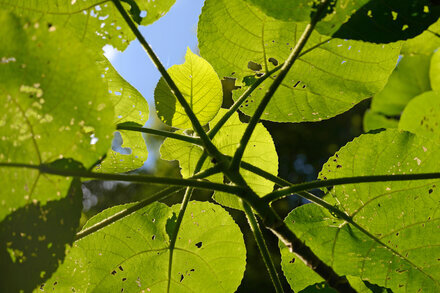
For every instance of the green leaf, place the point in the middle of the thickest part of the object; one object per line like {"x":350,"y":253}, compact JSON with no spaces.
{"x":324,"y":82}
{"x":303,"y":279}
{"x":95,"y":22}
{"x":409,"y":79}
{"x":33,"y":240}
{"x":200,"y":86}
{"x":53,"y":99}
{"x":130,"y":107}
{"x":132,"y":254}
{"x":260,"y":152}
{"x":374,"y":120}
{"x":367,"y":20}
{"x":421,"y":115}
{"x":286,"y":10}
{"x":434,"y":71}
{"x":399,"y":243}
{"x":425,"y":43}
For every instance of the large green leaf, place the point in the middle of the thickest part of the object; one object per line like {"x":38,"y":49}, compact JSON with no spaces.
{"x":260,"y":152}
{"x":399,"y":246}
{"x":33,"y":240}
{"x":200,"y":86}
{"x":132,"y":255}
{"x":421,"y":115}
{"x":326,"y":81}
{"x":368,"y":20}
{"x":53,"y":99}
{"x":96,"y":22}
{"x":130,"y":106}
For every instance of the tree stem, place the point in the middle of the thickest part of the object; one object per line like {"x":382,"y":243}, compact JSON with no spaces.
{"x":190,"y":139}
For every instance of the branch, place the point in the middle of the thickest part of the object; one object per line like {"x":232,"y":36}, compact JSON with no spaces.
{"x":134,"y":178}
{"x":347,"y":180}
{"x":190,"y":139}
{"x":128,"y":211}
{"x":207,"y":143}
{"x":156,"y":197}
{"x":264,"y":251}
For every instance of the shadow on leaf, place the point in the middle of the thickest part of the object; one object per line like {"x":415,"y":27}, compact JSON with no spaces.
{"x":33,"y":240}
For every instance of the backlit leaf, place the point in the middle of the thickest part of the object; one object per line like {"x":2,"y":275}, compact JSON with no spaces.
{"x":421,"y":115}
{"x":53,"y":99}
{"x":200,"y":86}
{"x":399,"y":246}
{"x":425,"y":43}
{"x":95,"y":22}
{"x":368,"y":20}
{"x":260,"y":152}
{"x":434,"y":71}
{"x":132,"y":255}
{"x":326,"y":81}
{"x":130,"y":106}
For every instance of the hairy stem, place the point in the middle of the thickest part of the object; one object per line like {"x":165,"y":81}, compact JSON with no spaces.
{"x":207,"y":143}
{"x":262,"y":246}
{"x":235,"y":163}
{"x":190,"y":139}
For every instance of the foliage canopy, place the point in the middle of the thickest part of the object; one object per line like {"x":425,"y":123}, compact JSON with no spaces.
{"x":376,"y":226}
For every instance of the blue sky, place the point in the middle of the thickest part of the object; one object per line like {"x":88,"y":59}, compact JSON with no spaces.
{"x":169,"y":37}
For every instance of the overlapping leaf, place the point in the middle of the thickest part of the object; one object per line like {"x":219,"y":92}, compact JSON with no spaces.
{"x":53,"y":99}
{"x":132,"y":255}
{"x":409,"y":79}
{"x":425,"y":43}
{"x":200,"y":86}
{"x":326,"y":81}
{"x":399,"y":246}
{"x":422,"y":116}
{"x":260,"y":152}
{"x":96,"y":22}
{"x":368,"y":20}
{"x":414,"y":76}
{"x":130,"y":106}
{"x":434,"y":71}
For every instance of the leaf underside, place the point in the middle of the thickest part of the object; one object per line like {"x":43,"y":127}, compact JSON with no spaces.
{"x":132,"y":254}
{"x":326,"y":81}
{"x":399,"y":249}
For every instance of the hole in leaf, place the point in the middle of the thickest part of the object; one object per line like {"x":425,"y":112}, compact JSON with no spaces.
{"x":199,"y":244}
